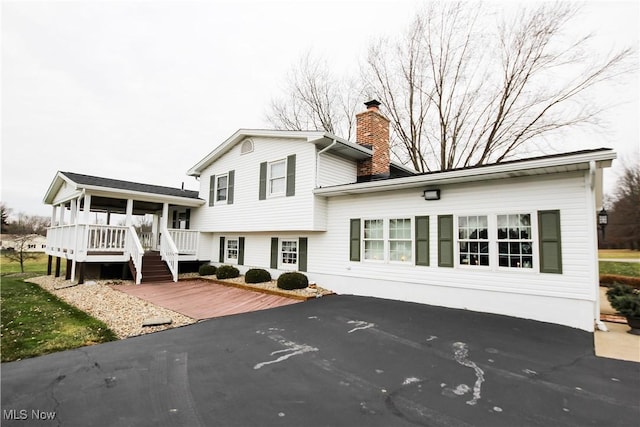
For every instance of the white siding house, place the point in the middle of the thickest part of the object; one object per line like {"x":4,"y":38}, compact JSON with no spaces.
{"x":516,"y":238}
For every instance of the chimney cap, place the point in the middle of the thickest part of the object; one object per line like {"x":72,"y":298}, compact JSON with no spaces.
{"x":374,"y":103}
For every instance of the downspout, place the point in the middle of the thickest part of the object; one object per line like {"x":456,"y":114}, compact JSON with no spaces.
{"x":335,"y":141}
{"x":592,"y":186}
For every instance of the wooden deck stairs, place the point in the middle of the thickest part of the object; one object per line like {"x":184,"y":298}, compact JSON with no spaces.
{"x":154,"y":269}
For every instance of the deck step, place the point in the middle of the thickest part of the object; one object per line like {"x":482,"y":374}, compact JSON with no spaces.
{"x":154,"y":269}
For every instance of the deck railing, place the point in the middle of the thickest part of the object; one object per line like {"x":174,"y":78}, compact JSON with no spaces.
{"x":134,"y":248}
{"x":186,"y":241}
{"x":169,"y":252}
{"x":107,"y":238}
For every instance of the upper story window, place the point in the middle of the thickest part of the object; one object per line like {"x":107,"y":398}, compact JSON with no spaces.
{"x":222,"y":186}
{"x":473,"y":240}
{"x":277,"y":177}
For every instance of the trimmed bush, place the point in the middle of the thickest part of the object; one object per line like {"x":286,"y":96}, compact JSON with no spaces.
{"x":257,"y":275}
{"x":625,"y":300}
{"x":292,"y":280}
{"x":227,"y":272}
{"x":207,"y":270}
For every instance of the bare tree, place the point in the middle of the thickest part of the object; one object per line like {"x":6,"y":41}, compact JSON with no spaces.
{"x":18,"y":253}
{"x":29,"y":224}
{"x":623,"y":230}
{"x":467,"y":84}
{"x":316,"y":100}
{"x":4,"y":216}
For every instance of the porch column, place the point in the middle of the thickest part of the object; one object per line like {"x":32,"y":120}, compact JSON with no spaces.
{"x":87,"y":208}
{"x":129,"y":219}
{"x":165,"y":216}
{"x":154,"y":231}
{"x":74,"y":211}
{"x":54,"y":213}
{"x":62,"y":211}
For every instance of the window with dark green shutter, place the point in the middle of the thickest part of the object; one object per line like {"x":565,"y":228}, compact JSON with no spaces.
{"x":550,"y":242}
{"x":212,"y":189}
{"x":422,"y":240}
{"x":291,"y":175}
{"x":354,"y":239}
{"x":274,"y":252}
{"x":240,"y":250}
{"x":222,"y":249}
{"x":445,"y":240}
{"x":302,"y":254}
{"x":262,"y":193}
{"x":230,"y":187}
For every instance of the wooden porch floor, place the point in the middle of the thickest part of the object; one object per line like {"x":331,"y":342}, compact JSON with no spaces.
{"x":204,"y":300}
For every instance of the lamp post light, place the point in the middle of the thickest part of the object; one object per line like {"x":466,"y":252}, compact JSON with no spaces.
{"x":603,"y":220}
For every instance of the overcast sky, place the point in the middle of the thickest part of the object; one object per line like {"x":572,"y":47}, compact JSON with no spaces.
{"x":142,"y":90}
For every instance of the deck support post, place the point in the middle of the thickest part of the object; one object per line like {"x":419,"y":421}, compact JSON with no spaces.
{"x":80,"y":273}
{"x":49,"y":264}
{"x":57,"y":272}
{"x":67,"y":272}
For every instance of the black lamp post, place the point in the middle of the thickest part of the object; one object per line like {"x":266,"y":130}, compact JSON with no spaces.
{"x":603,"y":220}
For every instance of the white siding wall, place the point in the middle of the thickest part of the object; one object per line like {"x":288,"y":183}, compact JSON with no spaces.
{"x":247,"y":213}
{"x":566,"y":298}
{"x":336,"y":170}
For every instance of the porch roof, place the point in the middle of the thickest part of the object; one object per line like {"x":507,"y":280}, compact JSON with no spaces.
{"x":117,"y":189}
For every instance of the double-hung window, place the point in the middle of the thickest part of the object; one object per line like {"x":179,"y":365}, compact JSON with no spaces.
{"x":400,"y":239}
{"x":222,"y":187}
{"x":232,"y":250}
{"x":473,"y":240}
{"x":277,"y":177}
{"x":289,"y":253}
{"x":515,"y":241}
{"x":374,"y":239}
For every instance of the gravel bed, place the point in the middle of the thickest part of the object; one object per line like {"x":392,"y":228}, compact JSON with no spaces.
{"x":123,"y":313}
{"x":270,"y":286}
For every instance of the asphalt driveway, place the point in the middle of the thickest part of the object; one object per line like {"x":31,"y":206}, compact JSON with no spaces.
{"x":334,"y":361}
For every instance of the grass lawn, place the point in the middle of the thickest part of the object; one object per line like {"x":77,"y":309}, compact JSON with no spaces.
{"x":620,"y":268}
{"x":618,"y":253}
{"x":35,"y":322}
{"x":39,"y":264}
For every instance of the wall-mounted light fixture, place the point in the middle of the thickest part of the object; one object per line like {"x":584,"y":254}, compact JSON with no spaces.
{"x":431,"y":194}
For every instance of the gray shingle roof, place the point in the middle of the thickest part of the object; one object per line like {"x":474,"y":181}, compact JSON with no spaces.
{"x":97,"y":181}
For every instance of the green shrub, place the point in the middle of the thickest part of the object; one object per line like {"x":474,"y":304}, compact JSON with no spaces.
{"x":625,"y":300}
{"x":257,"y":275}
{"x":227,"y":272}
{"x":292,"y":280}
{"x":207,"y":270}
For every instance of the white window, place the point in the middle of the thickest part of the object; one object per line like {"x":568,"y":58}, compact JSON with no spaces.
{"x":277,"y":178}
{"x":400,"y":240}
{"x":374,"y":239}
{"x":232,"y":250}
{"x":515,"y":241}
{"x":473,"y":240}
{"x":289,"y":254}
{"x":222,"y":187}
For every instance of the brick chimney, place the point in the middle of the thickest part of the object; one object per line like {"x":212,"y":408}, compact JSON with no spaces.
{"x":372,"y":131}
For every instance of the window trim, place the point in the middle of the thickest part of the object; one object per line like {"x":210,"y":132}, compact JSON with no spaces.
{"x":288,"y":266}
{"x":533,"y":225}
{"x":224,"y":201}
{"x":456,"y":236}
{"x":282,"y":193}
{"x":386,"y":240}
{"x":227,"y":249}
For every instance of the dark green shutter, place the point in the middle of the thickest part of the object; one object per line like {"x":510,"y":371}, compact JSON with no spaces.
{"x":230,"y":187}
{"x":274,"y":252}
{"x":188,"y":219}
{"x":445,"y":240}
{"x":222,"y":248}
{"x":240,"y":250}
{"x":291,"y":175}
{"x":212,"y":189}
{"x":302,"y":254}
{"x":262,"y":194}
{"x":550,"y":242}
{"x":354,"y":239}
{"x":422,"y":240}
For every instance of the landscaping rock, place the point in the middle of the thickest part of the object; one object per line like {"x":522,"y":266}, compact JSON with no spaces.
{"x":156,"y":321}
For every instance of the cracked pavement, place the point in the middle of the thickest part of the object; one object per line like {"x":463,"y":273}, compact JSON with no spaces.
{"x":334,"y":361}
